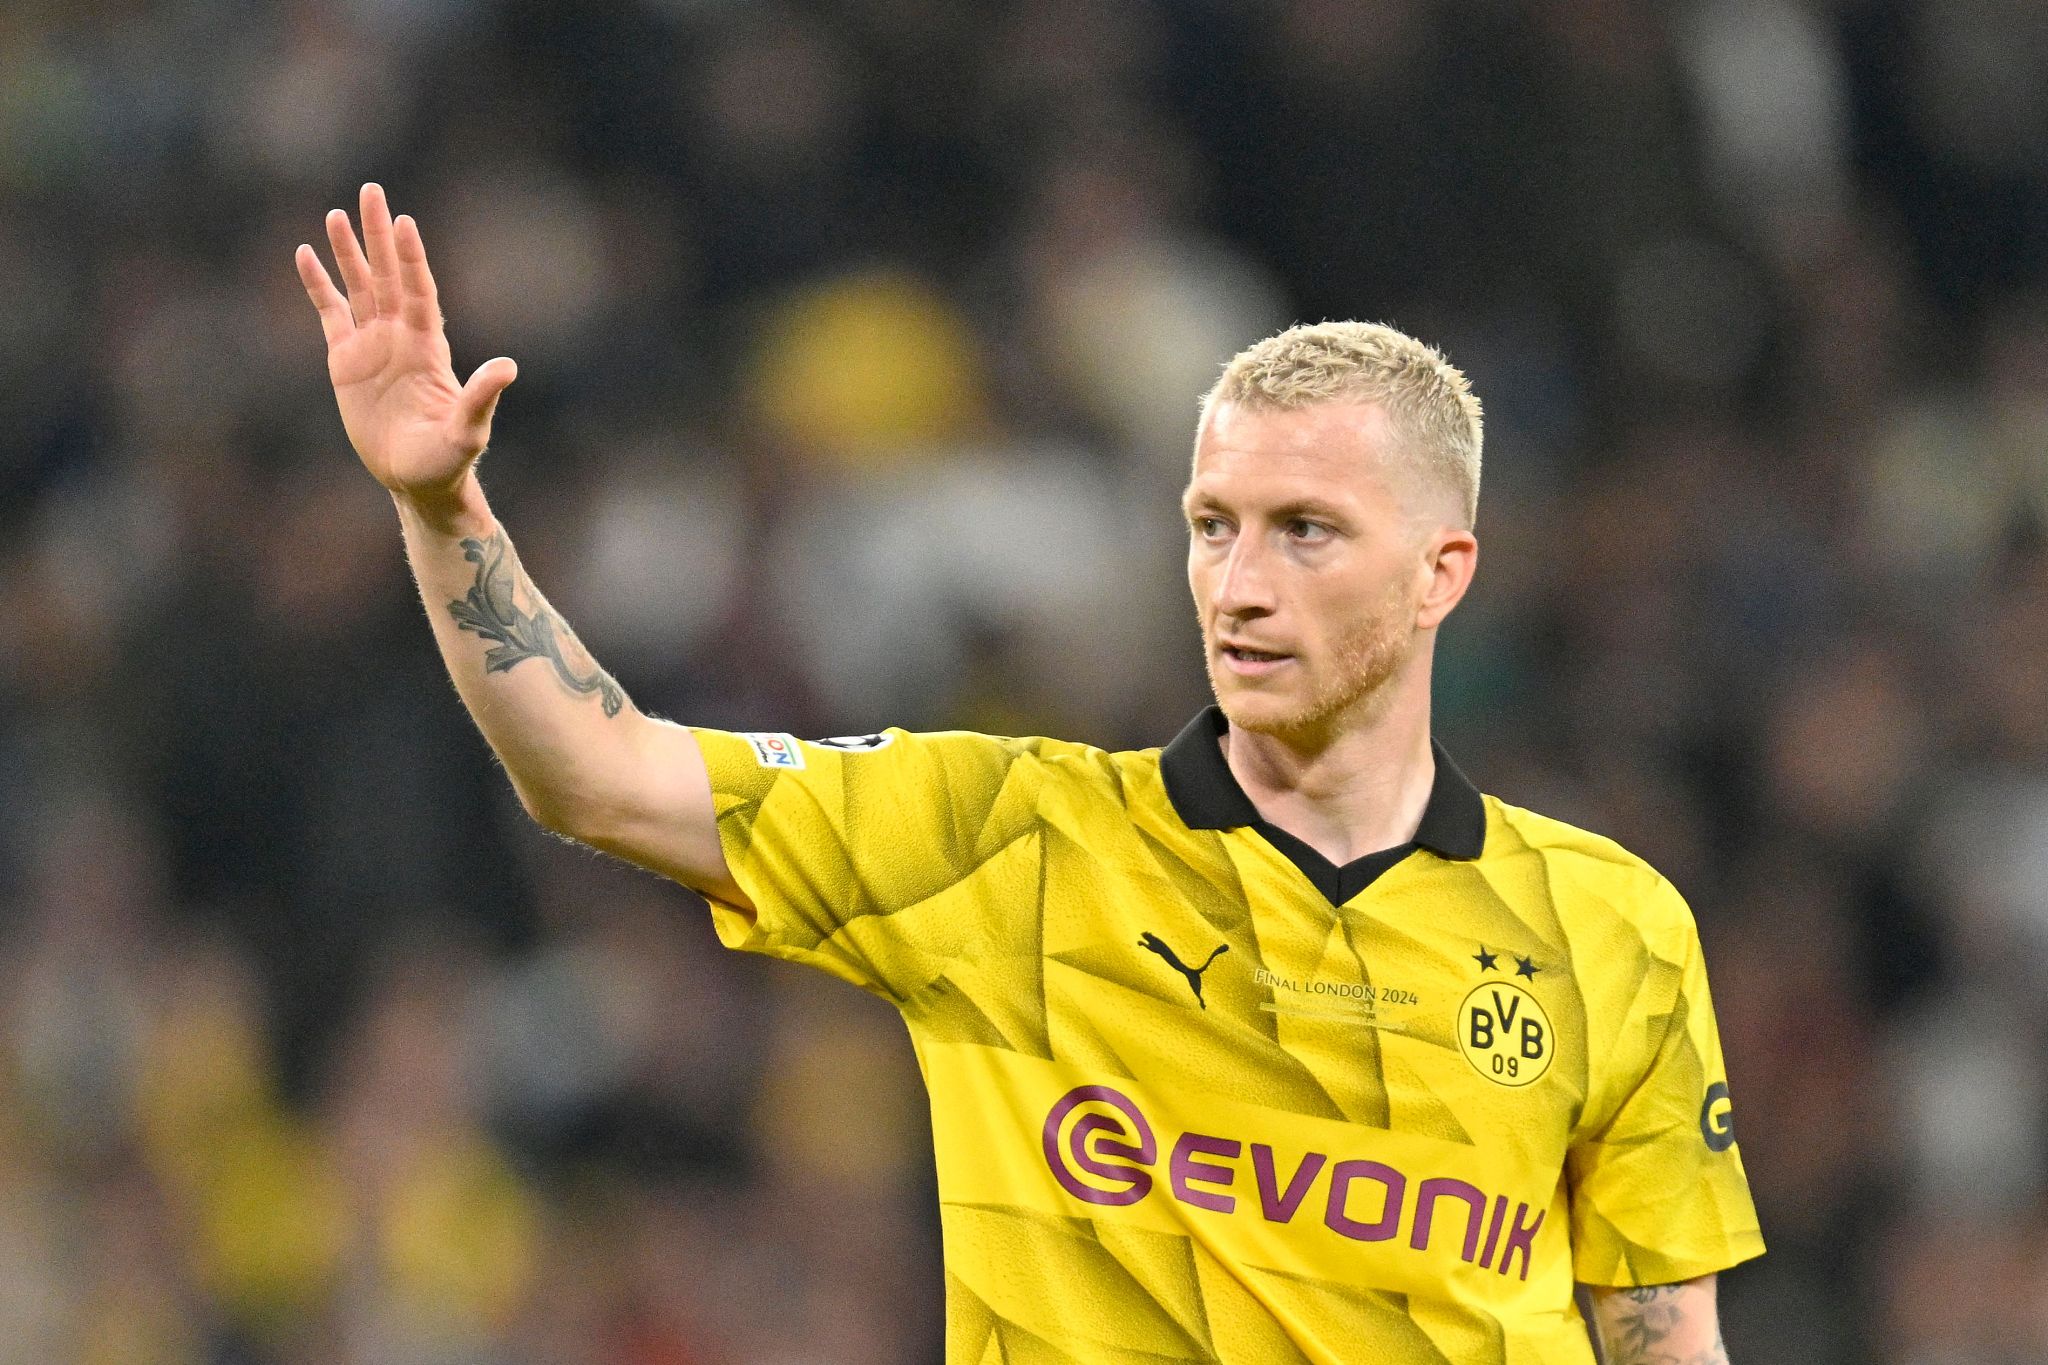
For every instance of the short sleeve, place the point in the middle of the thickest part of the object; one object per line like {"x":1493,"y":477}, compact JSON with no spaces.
{"x":1658,"y":1191}
{"x":869,"y":856}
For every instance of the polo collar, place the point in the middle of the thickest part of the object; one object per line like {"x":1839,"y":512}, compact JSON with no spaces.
{"x":1206,"y":795}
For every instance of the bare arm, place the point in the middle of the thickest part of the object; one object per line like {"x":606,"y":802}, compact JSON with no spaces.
{"x":584,"y":760}
{"x":1666,"y":1324}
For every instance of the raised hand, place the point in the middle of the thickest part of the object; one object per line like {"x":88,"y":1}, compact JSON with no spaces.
{"x":416,"y":429}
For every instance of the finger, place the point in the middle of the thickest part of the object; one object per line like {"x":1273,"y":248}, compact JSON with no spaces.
{"x":382,"y":252}
{"x":355,"y":270}
{"x":335,"y":319}
{"x":479,"y":400}
{"x":422,"y":301}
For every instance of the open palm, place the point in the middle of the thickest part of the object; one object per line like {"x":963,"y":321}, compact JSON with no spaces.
{"x":416,"y":429}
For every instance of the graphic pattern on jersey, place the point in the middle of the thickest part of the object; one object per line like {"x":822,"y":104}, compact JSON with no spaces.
{"x":1313,"y":1160}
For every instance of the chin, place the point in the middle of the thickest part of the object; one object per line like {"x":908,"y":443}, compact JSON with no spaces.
{"x":1291,"y":715}
{"x":1261,"y":713}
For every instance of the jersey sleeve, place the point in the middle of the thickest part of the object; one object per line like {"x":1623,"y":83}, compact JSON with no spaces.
{"x":1658,"y":1192}
{"x":870,"y":857}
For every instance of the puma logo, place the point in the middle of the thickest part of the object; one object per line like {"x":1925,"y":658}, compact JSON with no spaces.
{"x":1153,"y":943}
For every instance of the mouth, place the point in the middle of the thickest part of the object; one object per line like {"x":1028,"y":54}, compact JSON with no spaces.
{"x":1249,"y":662}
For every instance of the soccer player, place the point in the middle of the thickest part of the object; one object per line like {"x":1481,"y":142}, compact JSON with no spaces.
{"x":1279,"y":1044}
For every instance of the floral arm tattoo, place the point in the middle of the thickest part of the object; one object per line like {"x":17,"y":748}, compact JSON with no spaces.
{"x":1638,"y":1327}
{"x":490,"y":610}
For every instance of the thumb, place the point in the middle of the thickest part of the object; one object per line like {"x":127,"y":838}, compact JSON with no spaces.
{"x":479,"y":399}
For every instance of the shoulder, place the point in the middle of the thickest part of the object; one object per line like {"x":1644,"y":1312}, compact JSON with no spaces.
{"x":1123,"y":776}
{"x":1052,"y":759}
{"x":1588,"y":871}
{"x":1066,"y":760}
{"x":891,"y":753}
{"x":1072,"y":773}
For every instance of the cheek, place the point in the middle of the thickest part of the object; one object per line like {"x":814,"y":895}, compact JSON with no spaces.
{"x":1363,"y":608}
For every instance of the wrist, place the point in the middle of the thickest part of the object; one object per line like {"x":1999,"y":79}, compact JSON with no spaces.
{"x":457,"y":511}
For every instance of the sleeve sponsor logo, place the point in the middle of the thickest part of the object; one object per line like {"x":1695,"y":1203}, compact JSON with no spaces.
{"x":1717,"y":1118}
{"x":856,"y":744}
{"x":775,"y":751}
{"x":1103,"y":1150}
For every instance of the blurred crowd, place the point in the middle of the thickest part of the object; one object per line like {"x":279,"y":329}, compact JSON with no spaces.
{"x":860,"y":343}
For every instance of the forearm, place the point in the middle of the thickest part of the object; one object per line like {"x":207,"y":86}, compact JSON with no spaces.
{"x":562,"y":727}
{"x":584,"y":761}
{"x":1669,"y":1324}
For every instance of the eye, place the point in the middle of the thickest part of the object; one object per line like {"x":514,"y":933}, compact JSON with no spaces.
{"x":1209,"y":528}
{"x":1310,"y":532}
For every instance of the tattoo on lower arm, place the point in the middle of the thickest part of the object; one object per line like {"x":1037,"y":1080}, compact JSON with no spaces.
{"x":490,"y":611}
{"x":1637,"y":1326}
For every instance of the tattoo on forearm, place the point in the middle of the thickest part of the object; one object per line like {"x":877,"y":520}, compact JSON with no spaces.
{"x":490,"y":611}
{"x":1636,"y":1327}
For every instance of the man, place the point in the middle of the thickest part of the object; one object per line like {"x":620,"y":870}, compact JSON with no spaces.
{"x":1280,"y":1044}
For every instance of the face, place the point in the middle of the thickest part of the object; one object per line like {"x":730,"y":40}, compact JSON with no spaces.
{"x":1319,"y":586}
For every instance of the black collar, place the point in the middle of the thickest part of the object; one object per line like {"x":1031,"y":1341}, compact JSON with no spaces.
{"x":1205,"y":795}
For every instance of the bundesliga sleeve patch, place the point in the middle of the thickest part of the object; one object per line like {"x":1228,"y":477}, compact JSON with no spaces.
{"x":774,"y":750}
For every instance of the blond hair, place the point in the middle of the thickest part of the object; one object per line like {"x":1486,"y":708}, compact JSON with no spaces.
{"x":1429,"y":401}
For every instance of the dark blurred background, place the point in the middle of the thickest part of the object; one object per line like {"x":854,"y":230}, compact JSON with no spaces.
{"x":861,"y":344}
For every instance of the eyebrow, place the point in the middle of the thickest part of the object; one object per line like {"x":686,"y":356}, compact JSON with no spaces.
{"x":1314,"y":508}
{"x":1308,"y":507}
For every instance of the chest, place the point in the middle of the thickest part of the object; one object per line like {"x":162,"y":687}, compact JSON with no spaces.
{"x":1426,"y":1005}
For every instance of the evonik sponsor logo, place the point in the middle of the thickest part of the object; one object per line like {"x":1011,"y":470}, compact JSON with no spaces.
{"x":1113,"y":1145}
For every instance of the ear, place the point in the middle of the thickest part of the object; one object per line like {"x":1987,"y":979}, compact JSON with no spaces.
{"x":1450,"y":556}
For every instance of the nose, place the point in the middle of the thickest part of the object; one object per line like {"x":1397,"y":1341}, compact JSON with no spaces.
{"x":1244,"y":589}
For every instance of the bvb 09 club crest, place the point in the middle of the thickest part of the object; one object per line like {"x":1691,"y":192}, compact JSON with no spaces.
{"x":1505,"y":1034}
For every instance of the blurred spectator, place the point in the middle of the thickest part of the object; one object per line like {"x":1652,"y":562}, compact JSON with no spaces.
{"x":860,"y":348}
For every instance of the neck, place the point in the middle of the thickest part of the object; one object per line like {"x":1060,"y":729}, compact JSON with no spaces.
{"x":1346,"y":793}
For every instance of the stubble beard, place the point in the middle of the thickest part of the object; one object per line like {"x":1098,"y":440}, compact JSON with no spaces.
{"x":1352,"y":691}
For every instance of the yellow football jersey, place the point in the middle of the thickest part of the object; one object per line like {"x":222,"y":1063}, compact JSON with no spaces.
{"x":1199,"y":1095}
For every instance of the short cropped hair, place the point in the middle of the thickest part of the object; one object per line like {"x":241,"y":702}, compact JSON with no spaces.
{"x":1429,"y":401}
